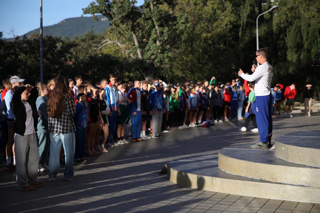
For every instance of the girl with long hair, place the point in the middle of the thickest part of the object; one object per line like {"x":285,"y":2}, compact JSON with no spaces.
{"x":61,"y":110}
{"x":42,"y":128}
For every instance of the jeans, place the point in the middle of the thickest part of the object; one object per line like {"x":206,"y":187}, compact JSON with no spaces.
{"x":113,"y":125}
{"x":234,"y":107}
{"x":44,"y":147}
{"x":68,"y":142}
{"x":80,"y":143}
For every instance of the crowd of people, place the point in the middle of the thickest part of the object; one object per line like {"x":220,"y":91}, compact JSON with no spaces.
{"x":67,"y":120}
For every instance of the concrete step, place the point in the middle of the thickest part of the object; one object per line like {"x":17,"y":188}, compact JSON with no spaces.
{"x":263,"y":165}
{"x":300,"y":147}
{"x":202,"y":172}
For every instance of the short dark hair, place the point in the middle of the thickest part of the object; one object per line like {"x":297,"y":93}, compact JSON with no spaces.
{"x":263,"y":52}
{"x":78,"y":77}
{"x":113,"y":76}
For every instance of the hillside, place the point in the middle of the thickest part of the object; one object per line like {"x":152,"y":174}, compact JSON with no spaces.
{"x":72,"y":27}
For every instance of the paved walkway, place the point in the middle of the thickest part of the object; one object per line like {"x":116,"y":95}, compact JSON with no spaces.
{"x":127,"y":179}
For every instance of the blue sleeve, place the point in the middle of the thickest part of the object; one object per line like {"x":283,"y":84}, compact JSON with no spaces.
{"x":107,"y":97}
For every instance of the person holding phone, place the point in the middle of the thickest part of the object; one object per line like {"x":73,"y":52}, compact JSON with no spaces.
{"x":262,"y":75}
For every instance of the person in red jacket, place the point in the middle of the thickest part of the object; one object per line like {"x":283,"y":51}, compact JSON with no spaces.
{"x":289,"y":95}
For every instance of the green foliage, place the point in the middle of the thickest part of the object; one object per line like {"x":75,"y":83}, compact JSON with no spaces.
{"x":179,"y":40}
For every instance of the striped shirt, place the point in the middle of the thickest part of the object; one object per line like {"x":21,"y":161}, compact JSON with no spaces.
{"x":64,"y":124}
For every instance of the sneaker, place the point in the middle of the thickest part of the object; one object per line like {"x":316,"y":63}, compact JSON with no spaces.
{"x":165,"y":131}
{"x":182,"y":127}
{"x":36,"y":184}
{"x":116,"y":144}
{"x":52,"y":178}
{"x":291,"y":116}
{"x":192,"y":125}
{"x":139,"y":139}
{"x":68,"y":179}
{"x":120,"y":142}
{"x":239,"y":119}
{"x":216,"y":121}
{"x":10,"y":168}
{"x":243,"y":129}
{"x":260,"y":145}
{"x":255,"y":130}
{"x":143,"y":138}
{"x":134,"y":140}
{"x":41,"y":168}
{"x":147,"y":137}
{"x":26,"y":188}
{"x":108,"y":145}
{"x":273,"y":147}
{"x":125,"y":141}
{"x":154,"y":136}
{"x":220,"y":121}
{"x":309,"y":114}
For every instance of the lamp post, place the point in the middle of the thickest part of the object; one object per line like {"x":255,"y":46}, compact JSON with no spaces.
{"x":41,"y":44}
{"x":272,"y":8}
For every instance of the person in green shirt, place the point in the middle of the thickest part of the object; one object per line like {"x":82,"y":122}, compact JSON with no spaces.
{"x":249,"y":113}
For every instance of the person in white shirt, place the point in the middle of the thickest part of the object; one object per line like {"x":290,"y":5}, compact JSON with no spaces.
{"x":262,"y":75}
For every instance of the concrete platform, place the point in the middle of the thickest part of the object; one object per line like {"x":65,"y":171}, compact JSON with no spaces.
{"x":300,"y":148}
{"x":291,"y":172}
{"x":203,"y":173}
{"x":263,"y":165}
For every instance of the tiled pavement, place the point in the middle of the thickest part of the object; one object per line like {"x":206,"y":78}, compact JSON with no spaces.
{"x":127,"y":179}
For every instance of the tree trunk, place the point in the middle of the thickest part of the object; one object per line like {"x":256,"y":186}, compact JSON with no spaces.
{"x":155,"y":24}
{"x":136,"y":43}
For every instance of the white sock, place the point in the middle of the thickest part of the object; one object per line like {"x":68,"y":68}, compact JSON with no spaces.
{"x":14,"y":160}
{"x":8,"y":160}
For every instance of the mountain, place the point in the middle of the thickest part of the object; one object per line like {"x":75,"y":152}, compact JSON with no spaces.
{"x":72,"y":27}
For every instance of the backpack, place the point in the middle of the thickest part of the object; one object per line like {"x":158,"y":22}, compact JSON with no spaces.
{"x":3,"y":110}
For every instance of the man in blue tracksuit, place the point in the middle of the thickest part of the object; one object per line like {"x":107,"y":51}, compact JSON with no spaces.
{"x":112,"y":98}
{"x":262,"y":76}
{"x":135,"y":108}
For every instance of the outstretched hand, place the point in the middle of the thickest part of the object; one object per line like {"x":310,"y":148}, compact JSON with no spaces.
{"x":240,"y":72}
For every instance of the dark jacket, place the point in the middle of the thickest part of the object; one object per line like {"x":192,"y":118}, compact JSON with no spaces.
{"x":19,"y":110}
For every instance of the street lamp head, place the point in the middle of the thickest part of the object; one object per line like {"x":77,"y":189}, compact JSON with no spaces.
{"x":272,"y":8}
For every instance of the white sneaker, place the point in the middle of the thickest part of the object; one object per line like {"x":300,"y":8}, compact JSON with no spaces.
{"x":125,"y":141}
{"x":216,"y":121}
{"x":239,"y":119}
{"x":243,"y":129}
{"x":41,"y":168}
{"x":116,"y":144}
{"x":291,"y":116}
{"x":148,"y":137}
{"x":183,"y":127}
{"x":192,"y":125}
{"x":309,"y":114}
{"x":273,"y":147}
{"x":165,"y":131}
{"x":220,"y":121}
{"x":255,"y":130}
{"x":143,"y":138}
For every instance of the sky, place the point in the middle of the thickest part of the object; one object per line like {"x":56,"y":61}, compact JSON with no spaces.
{"x":18,"y":17}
